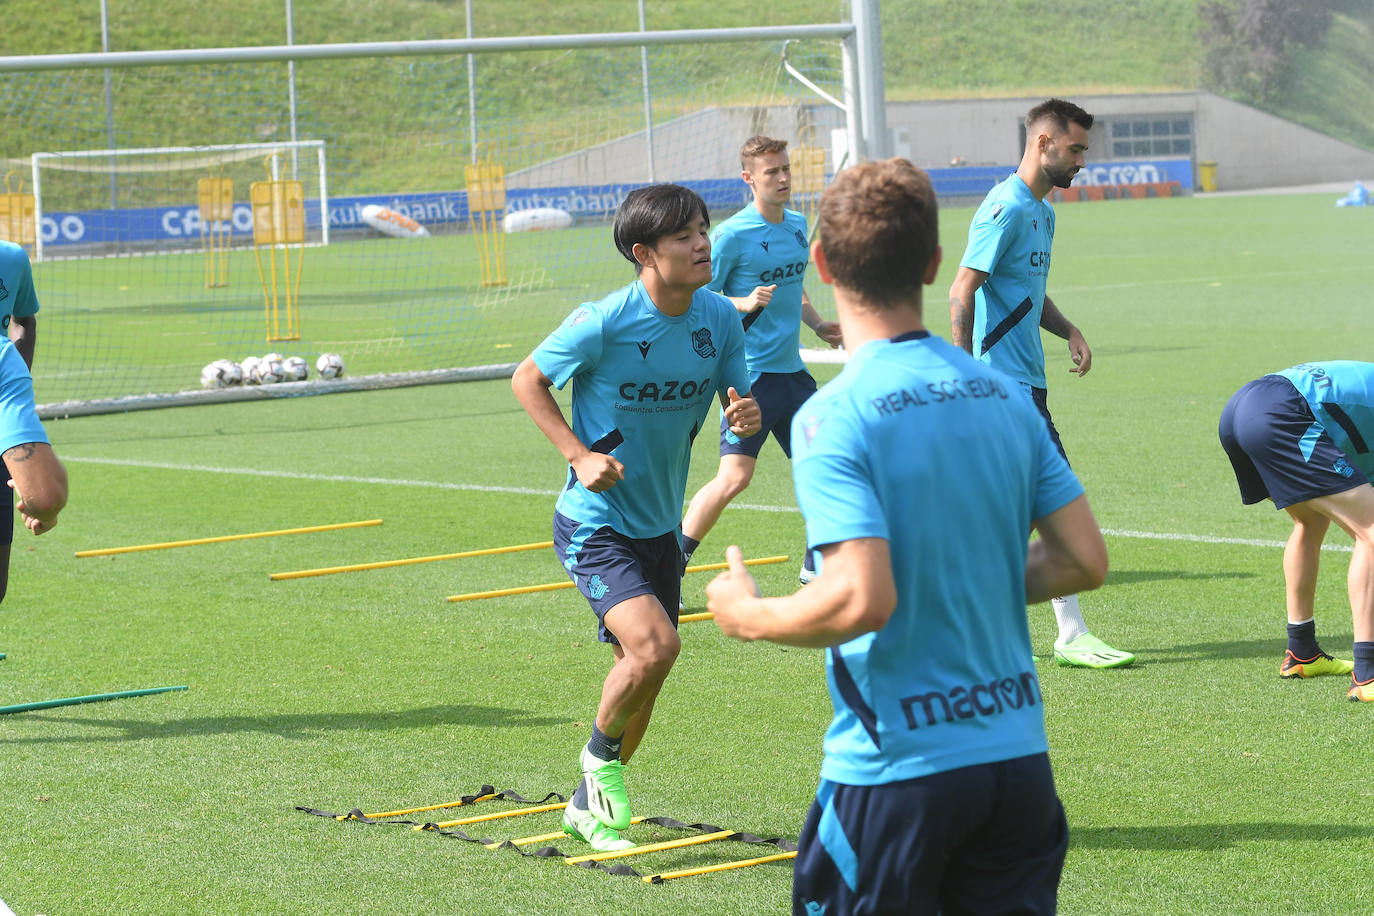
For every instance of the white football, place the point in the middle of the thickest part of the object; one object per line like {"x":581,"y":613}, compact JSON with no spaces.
{"x":250,"y":370}
{"x":274,"y":355}
{"x":329,"y":365}
{"x":269,"y":371}
{"x":213,"y":375}
{"x":233,"y":372}
{"x":295,"y":368}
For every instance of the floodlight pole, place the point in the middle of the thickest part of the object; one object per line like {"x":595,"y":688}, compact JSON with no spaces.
{"x":648,"y":102}
{"x":291,"y":88}
{"x":872,"y":111}
{"x":109,"y":105}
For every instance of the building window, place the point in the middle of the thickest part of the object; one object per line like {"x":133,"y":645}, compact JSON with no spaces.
{"x":1149,"y":137}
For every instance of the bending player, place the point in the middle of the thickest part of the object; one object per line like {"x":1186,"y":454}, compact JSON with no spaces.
{"x":919,"y":472}
{"x":645,"y":363}
{"x":998,"y":305}
{"x":758,"y":261}
{"x":1302,"y":437}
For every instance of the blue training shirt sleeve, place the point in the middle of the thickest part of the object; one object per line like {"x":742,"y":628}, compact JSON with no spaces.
{"x":989,"y":236}
{"x":833,"y":482}
{"x":722,"y":260}
{"x":572,"y":348}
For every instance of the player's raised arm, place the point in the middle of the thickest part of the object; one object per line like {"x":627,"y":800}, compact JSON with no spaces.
{"x":962,"y":306}
{"x":595,"y":471}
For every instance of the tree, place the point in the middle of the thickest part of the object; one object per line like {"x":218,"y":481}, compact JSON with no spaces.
{"x":1249,"y":44}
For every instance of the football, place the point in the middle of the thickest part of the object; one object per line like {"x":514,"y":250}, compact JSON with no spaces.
{"x":269,"y":370}
{"x":329,"y":365}
{"x":215,"y":375}
{"x":233,"y":372}
{"x":250,"y":370}
{"x":295,"y":368}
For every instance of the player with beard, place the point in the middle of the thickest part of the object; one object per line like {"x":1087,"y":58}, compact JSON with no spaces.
{"x":997,"y":303}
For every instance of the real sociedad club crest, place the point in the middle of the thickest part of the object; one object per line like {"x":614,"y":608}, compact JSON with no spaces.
{"x":580,"y":315}
{"x":701,"y":343}
{"x":811,"y":424}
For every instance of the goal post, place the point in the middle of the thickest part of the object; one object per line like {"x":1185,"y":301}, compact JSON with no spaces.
{"x":418,"y":266}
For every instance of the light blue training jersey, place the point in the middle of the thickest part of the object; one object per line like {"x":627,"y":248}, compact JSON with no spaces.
{"x":1009,"y":240}
{"x":19,"y":421}
{"x":642,"y":384}
{"x":947,"y":460}
{"x":747,"y":251}
{"x":1341,"y":395}
{"x":17,"y":296}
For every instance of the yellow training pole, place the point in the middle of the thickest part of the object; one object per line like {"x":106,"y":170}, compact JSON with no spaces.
{"x":457,"y":804}
{"x":226,"y":537}
{"x":542,"y":837}
{"x":690,"y":618}
{"x":706,"y":869}
{"x":536,"y":809}
{"x":653,"y":847}
{"x":554,"y":586}
{"x":386,"y":564}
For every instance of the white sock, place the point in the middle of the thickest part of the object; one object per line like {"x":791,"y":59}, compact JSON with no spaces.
{"x":1070,"y":618}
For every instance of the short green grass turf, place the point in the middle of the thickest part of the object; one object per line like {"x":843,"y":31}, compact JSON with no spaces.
{"x":1185,"y":778}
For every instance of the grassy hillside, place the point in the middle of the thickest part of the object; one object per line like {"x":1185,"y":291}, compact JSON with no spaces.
{"x":932,"y":48}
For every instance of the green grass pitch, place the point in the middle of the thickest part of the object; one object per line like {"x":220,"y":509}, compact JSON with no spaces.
{"x":1196,"y":781}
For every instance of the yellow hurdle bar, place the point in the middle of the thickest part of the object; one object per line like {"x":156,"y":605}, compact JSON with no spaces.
{"x":536,"y":809}
{"x":554,"y":586}
{"x":457,"y":804}
{"x":723,"y":866}
{"x":542,"y":837}
{"x":226,"y":537}
{"x":690,"y":618}
{"x":653,"y":847}
{"x":387,"y":564}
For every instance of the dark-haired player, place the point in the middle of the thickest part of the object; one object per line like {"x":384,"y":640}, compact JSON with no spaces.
{"x":998,"y":305}
{"x":646,"y":363}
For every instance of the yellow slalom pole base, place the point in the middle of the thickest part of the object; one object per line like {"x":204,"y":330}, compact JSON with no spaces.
{"x":478,"y":818}
{"x":387,"y":564}
{"x":723,"y":866}
{"x":653,"y":847}
{"x":225,"y":537}
{"x":555,"y":586}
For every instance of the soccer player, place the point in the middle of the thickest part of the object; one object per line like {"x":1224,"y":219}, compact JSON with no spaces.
{"x":758,"y":260}
{"x":29,"y":462}
{"x":997,"y":304}
{"x":645,"y":364}
{"x":919,"y":472}
{"x":1302,"y":437}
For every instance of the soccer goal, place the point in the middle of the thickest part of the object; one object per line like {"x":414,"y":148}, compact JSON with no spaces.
{"x":458,"y":222}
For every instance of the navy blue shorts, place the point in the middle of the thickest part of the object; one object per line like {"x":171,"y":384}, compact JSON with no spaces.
{"x":1041,"y":397}
{"x":609,"y":568}
{"x":1278,"y":449}
{"x":982,"y":839}
{"x":779,"y":396}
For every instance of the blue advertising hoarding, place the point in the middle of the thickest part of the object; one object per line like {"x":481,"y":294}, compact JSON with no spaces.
{"x":149,"y":224}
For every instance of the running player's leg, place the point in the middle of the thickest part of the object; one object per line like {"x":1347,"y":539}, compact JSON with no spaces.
{"x":733,"y":476}
{"x":1301,"y":559}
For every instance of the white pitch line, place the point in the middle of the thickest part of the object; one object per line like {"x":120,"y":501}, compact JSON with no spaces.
{"x":531,"y":491}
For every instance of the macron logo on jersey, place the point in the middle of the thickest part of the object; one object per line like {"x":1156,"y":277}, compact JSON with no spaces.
{"x":644,"y":349}
{"x":765,"y":245}
{"x":990,"y":699}
{"x":4,"y":293}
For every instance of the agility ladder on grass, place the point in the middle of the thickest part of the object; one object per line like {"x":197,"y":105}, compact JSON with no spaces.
{"x":705,"y":833}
